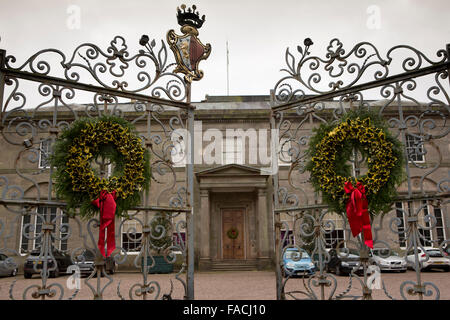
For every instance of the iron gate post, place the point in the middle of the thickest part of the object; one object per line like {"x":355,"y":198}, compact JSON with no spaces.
{"x":190,"y":199}
{"x":276,"y":218}
{"x":448,"y":60}
{"x":2,"y":81}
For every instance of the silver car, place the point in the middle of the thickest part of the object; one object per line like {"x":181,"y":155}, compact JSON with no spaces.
{"x":388,"y":261}
{"x":431,"y":258}
{"x":7,"y":266}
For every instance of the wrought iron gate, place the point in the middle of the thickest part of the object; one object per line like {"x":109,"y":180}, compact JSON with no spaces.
{"x":39,"y":98}
{"x":321,"y":89}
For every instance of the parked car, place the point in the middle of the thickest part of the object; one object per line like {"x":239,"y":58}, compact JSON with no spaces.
{"x":344,"y":262}
{"x":86,"y":262}
{"x":297,"y":262}
{"x":63,"y":261}
{"x":447,"y":249}
{"x":8,"y":267}
{"x":436,"y":259}
{"x":388,"y":261}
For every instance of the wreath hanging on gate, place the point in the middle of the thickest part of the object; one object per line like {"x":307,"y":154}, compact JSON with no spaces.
{"x":78,"y":183}
{"x":233,"y":233}
{"x":330,"y":149}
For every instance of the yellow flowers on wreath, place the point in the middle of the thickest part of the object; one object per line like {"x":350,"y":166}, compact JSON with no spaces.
{"x":331,"y":148}
{"x":107,"y":137}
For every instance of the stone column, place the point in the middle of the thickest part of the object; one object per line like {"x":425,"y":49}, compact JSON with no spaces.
{"x":263,"y":229}
{"x":205,"y":259}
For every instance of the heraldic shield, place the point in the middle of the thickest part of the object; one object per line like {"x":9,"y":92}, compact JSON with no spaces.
{"x":187,"y":48}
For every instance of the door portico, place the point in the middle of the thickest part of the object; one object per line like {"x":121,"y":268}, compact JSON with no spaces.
{"x":233,"y":196}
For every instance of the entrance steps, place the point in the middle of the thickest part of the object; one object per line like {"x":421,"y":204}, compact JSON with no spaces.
{"x":234,"y":265}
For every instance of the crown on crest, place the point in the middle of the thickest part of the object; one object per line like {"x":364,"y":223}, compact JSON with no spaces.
{"x":189,"y":17}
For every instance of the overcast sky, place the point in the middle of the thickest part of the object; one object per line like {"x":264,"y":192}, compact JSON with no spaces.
{"x":258,"y":32}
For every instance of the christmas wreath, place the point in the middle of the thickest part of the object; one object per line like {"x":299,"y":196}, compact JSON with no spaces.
{"x":233,"y":233}
{"x":330,"y":149}
{"x":85,"y":140}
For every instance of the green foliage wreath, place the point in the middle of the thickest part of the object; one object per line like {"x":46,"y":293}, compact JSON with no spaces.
{"x":109,"y":137}
{"x":331,"y":147}
{"x":233,"y":233}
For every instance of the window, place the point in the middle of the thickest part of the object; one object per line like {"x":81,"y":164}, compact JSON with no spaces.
{"x":335,"y":237}
{"x":414,"y":148}
{"x":131,"y":236}
{"x":284,"y":159}
{"x":290,"y":239}
{"x":32,"y":226}
{"x":401,"y":227}
{"x":43,"y":211}
{"x":177,"y":241}
{"x":44,"y":153}
{"x":233,"y":151}
{"x":24,"y":241}
{"x":64,"y":233}
{"x":440,"y":228}
{"x":425,"y":239}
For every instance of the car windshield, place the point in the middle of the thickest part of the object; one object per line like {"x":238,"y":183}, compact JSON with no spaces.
{"x":293,"y":254}
{"x":88,"y":255}
{"x":385,"y":253}
{"x":348,"y":251}
{"x":434,"y":253}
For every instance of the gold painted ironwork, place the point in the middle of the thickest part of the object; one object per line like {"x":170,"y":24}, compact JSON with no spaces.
{"x":180,"y":44}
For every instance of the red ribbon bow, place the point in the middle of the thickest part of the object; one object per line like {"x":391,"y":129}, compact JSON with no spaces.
{"x":107,"y":205}
{"x":357,"y":213}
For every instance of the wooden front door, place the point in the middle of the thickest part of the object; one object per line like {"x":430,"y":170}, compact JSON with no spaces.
{"x":233,"y":248}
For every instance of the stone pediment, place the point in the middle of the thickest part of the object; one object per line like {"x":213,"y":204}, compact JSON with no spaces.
{"x":232,"y":177}
{"x":231,"y":170}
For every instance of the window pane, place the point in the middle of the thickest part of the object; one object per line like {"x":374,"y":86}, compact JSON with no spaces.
{"x":333,"y":239}
{"x":439,"y":225}
{"x":425,"y":238}
{"x":43,"y":211}
{"x":400,"y":228}
{"x":24,"y":246}
{"x":414,"y":148}
{"x":131,"y":234}
{"x":233,"y":151}
{"x":64,"y":232}
{"x":44,"y":154}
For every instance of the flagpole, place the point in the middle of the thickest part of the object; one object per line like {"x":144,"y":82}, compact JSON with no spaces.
{"x":228,"y":77}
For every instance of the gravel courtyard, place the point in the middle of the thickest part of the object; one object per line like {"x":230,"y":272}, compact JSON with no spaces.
{"x":243,"y":285}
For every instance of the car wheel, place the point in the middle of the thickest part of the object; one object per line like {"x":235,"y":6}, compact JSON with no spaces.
{"x":14,"y":272}
{"x":112,"y":270}
{"x":54,"y":273}
{"x":27,"y":275}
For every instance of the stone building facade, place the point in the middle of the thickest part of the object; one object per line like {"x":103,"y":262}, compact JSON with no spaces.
{"x":232,"y":190}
